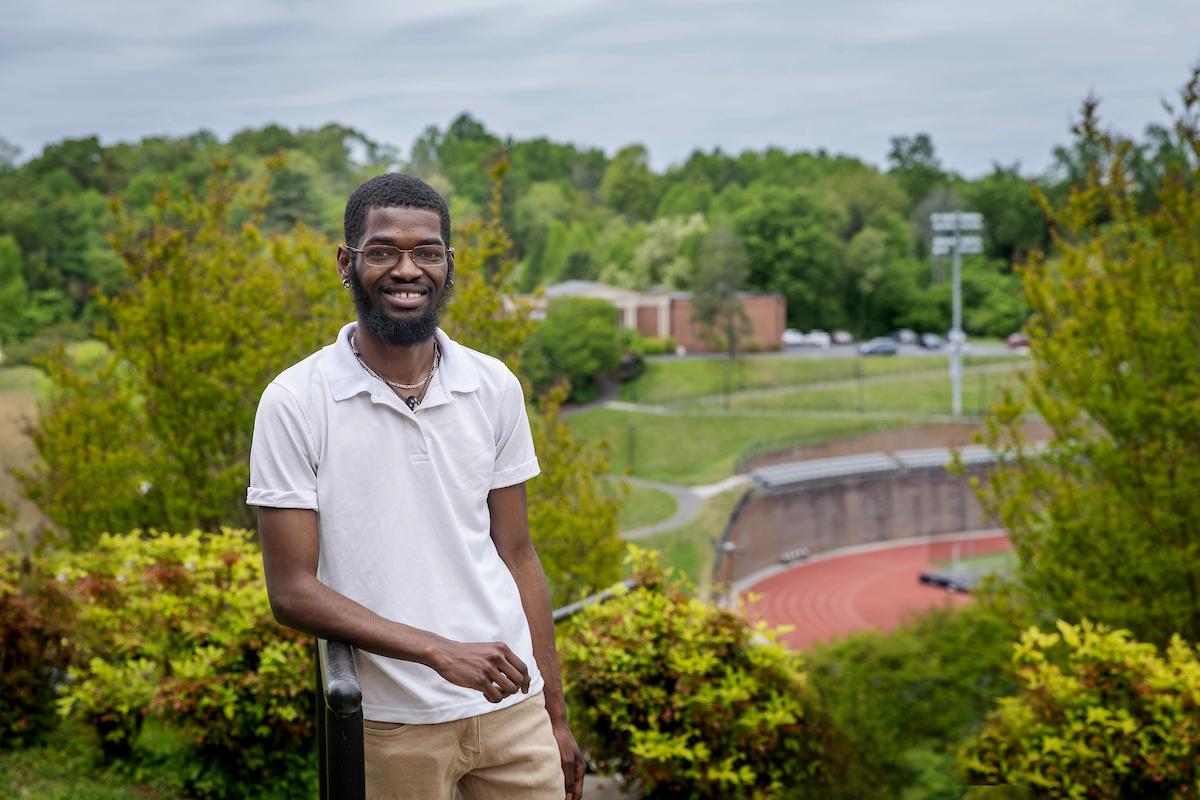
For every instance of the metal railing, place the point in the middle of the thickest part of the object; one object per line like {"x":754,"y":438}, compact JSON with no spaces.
{"x":339,"y":710}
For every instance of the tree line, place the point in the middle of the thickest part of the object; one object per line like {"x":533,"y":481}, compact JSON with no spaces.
{"x":846,"y":243}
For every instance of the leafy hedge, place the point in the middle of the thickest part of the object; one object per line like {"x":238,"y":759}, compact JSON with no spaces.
{"x":685,"y":699}
{"x":178,"y":628}
{"x":1099,"y":716}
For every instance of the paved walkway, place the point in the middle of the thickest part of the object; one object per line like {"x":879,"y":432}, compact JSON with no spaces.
{"x":689,"y":501}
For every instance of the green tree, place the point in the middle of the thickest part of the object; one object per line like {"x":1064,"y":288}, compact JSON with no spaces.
{"x":791,"y":240}
{"x":629,"y":186}
{"x":576,"y":342}
{"x":719,"y":279}
{"x":915,"y":165}
{"x":1104,"y":522}
{"x":160,"y":437}
{"x":14,"y":294}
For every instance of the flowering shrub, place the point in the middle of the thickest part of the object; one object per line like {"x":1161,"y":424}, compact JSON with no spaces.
{"x":1100,"y":715}
{"x":178,"y":627}
{"x":688,"y":700}
{"x":34,"y":653}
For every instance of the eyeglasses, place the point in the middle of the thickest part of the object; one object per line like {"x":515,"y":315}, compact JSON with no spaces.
{"x":384,"y":256}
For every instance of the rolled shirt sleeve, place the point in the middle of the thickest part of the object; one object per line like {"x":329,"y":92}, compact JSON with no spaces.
{"x":283,"y":460}
{"x":516,"y":461}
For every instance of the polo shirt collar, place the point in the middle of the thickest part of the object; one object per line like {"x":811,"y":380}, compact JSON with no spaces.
{"x":457,"y":372}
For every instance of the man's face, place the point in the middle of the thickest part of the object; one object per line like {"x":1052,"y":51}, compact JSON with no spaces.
{"x":399,"y":305}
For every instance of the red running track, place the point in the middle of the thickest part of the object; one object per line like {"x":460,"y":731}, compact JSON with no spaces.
{"x":842,"y":594}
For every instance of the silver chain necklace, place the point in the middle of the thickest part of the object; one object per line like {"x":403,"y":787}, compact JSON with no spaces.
{"x":412,"y":400}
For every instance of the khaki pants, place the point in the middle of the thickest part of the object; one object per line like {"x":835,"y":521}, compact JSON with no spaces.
{"x":509,"y":754}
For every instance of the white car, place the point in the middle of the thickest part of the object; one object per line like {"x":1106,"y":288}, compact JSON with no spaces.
{"x":792,"y":338}
{"x":819,"y":339}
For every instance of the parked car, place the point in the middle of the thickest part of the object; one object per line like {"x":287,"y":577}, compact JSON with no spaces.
{"x":818,"y":338}
{"x":1017,"y":339}
{"x":843,"y":337}
{"x":931,"y":341}
{"x":879,"y":346}
{"x":792,"y":338}
{"x":905,"y":336}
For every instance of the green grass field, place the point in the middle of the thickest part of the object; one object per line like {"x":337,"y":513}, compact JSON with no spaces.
{"x":670,"y":380}
{"x":699,"y":449}
{"x":645,"y":506}
{"x":923,"y":395}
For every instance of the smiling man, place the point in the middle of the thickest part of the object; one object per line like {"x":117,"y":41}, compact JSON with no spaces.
{"x":389,"y":470}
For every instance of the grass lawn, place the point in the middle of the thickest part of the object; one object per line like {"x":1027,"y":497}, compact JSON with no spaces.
{"x":669,"y":380}
{"x":67,"y":767}
{"x":645,"y":506}
{"x":689,"y":548}
{"x":699,"y":449}
{"x":927,"y":395}
{"x":1005,"y":562}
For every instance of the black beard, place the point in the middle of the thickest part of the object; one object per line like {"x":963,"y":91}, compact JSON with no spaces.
{"x":404,"y":332}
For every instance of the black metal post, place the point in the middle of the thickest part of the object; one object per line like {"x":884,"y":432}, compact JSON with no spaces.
{"x":339,"y":723}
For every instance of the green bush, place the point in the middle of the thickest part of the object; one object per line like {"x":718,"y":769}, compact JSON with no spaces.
{"x":906,"y":698}
{"x":577,"y":341}
{"x":34,"y":654}
{"x":687,"y":700}
{"x":1099,"y":715}
{"x":178,"y":629}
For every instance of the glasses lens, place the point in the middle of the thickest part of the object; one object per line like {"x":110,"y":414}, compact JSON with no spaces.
{"x":429,"y":255}
{"x":381,"y":256}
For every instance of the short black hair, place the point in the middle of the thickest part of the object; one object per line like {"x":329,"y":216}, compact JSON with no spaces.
{"x":392,"y":190}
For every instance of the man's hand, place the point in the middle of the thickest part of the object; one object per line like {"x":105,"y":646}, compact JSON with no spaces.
{"x":571,"y":756}
{"x":489,"y":667}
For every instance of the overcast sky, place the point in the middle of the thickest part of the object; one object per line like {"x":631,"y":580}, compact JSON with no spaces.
{"x":994,"y":81}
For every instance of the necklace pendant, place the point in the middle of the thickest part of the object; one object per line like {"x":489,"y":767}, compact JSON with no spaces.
{"x":413,"y":401}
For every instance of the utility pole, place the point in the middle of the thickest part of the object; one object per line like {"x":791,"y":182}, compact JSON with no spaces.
{"x":956,"y":223}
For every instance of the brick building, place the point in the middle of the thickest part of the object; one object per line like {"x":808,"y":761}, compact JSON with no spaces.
{"x":660,"y":313}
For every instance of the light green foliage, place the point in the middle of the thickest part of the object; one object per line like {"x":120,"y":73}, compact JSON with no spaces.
{"x":214,"y":310}
{"x":178,"y":628}
{"x":687,"y":700}
{"x":905,"y":696}
{"x":1099,"y":715}
{"x":665,"y":257}
{"x":1105,"y":522}
{"x":577,"y":342}
{"x":483,"y":264}
{"x":572,"y":507}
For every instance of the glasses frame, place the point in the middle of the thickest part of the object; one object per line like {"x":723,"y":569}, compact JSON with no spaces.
{"x":449,"y":251}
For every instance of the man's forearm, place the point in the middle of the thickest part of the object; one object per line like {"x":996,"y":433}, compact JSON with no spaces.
{"x":312,"y":607}
{"x":535,"y":600}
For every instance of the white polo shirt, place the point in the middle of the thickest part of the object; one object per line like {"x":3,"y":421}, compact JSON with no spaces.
{"x":401,"y":500}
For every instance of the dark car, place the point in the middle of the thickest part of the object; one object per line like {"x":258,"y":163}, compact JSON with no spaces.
{"x":1017,"y":339}
{"x":879,"y":346}
{"x":952,"y":580}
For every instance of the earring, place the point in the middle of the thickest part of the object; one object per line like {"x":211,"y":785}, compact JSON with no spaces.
{"x":450,"y":283}
{"x":345,"y":283}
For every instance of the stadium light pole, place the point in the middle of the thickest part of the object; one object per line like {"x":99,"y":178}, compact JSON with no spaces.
{"x":956,"y":223}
